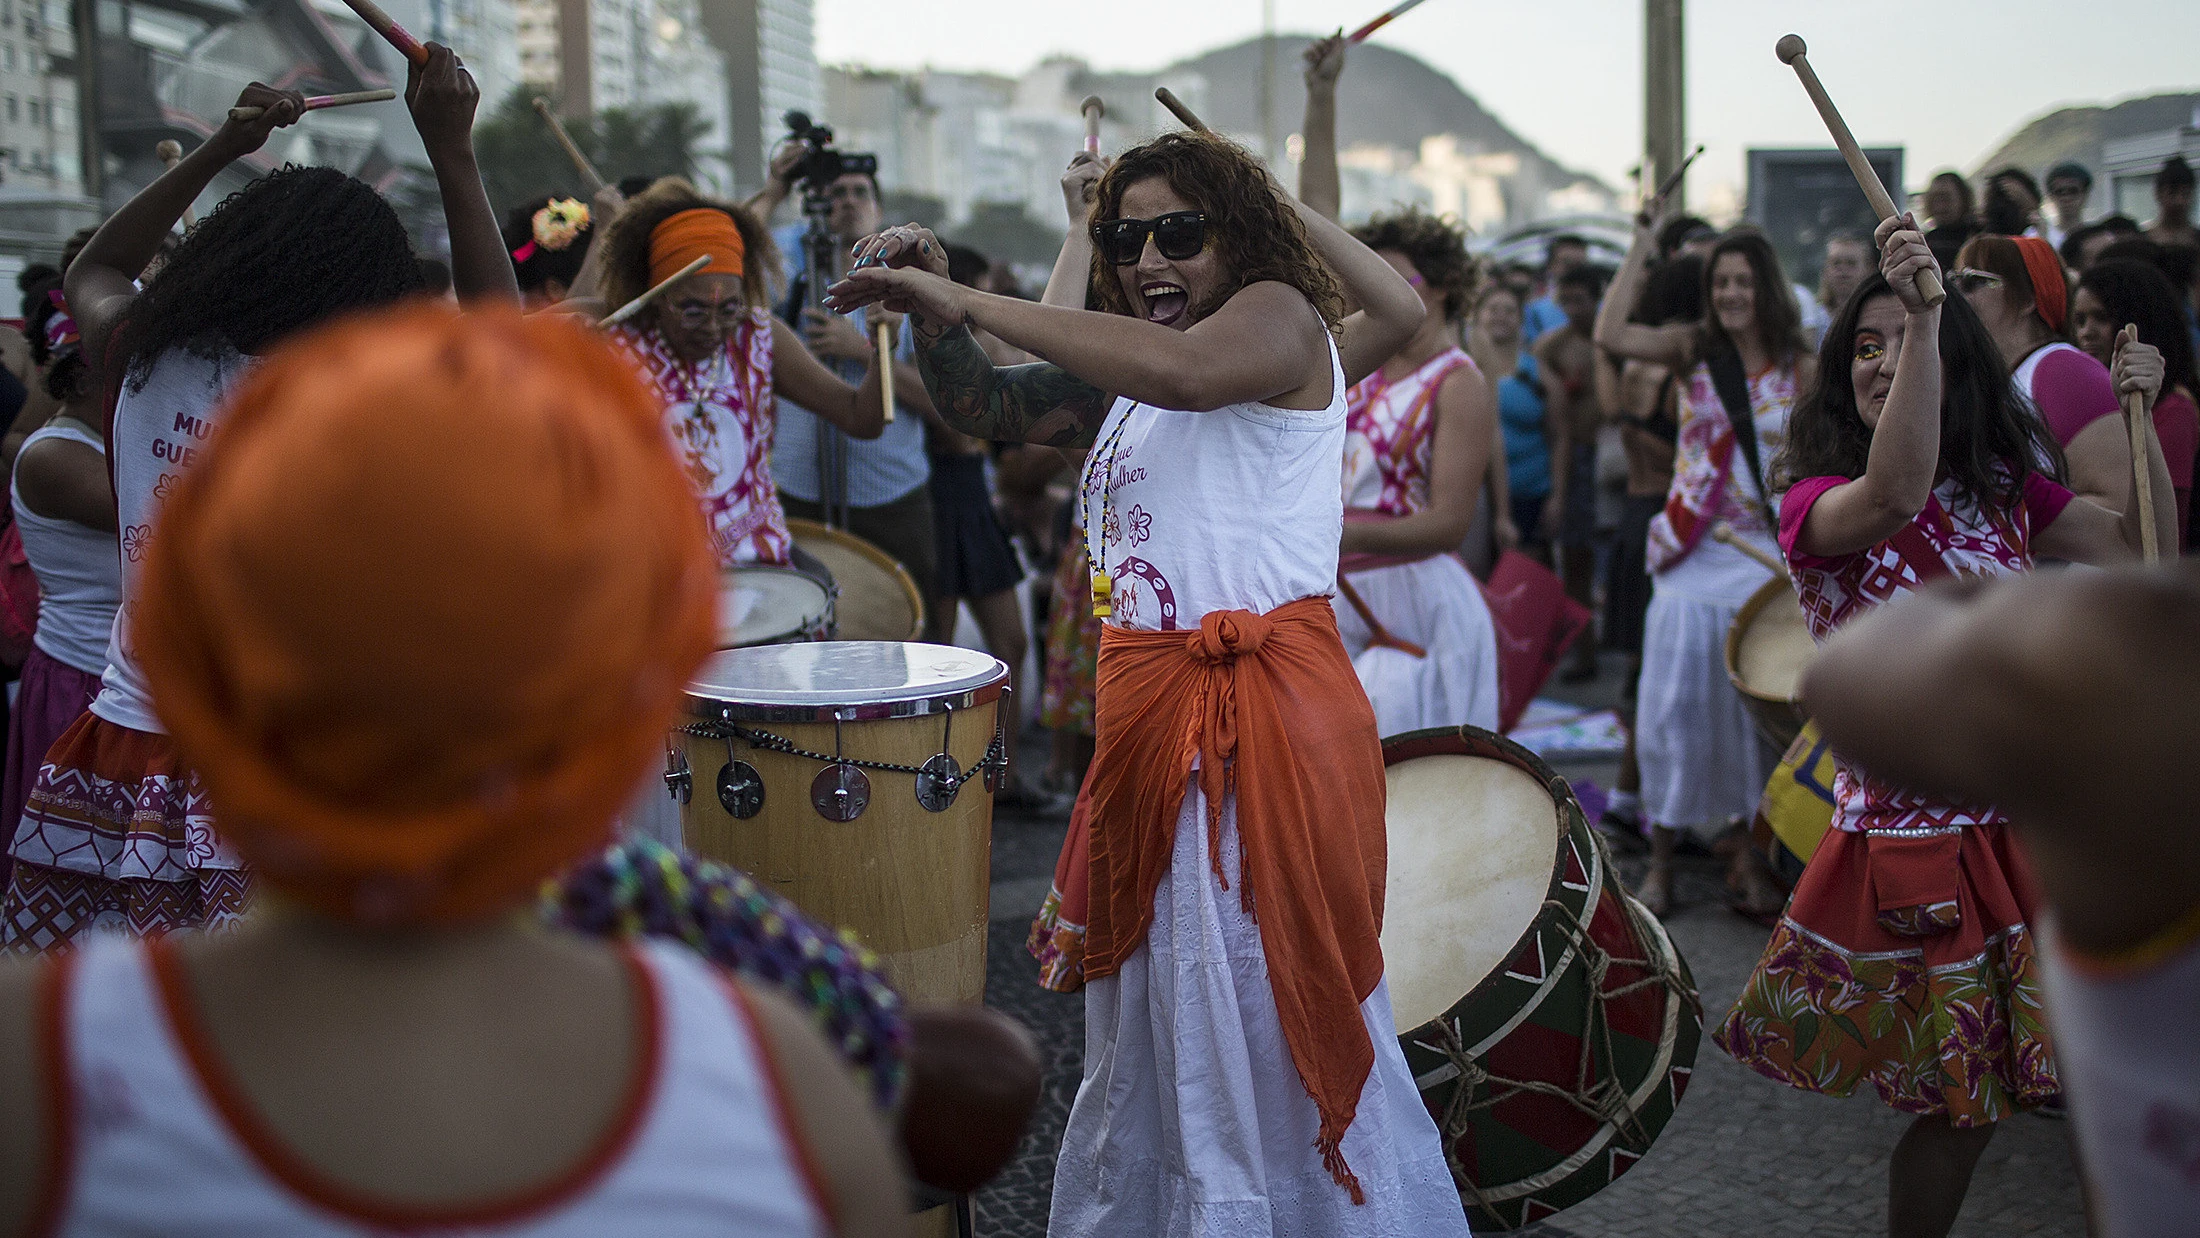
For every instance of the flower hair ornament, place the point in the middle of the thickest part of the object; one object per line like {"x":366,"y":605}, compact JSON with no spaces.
{"x":555,"y":227}
{"x":61,"y":335}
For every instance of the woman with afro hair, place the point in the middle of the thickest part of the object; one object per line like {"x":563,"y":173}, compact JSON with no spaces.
{"x":116,"y":831}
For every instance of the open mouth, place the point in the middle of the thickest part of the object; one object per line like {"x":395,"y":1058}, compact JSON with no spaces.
{"x":1165,"y":303}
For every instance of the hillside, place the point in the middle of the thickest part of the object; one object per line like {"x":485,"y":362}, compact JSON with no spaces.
{"x":2080,"y":132}
{"x":1386,"y":97}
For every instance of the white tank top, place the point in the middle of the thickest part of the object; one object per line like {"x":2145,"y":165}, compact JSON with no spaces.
{"x":709,"y":1149}
{"x":79,"y":571}
{"x":1236,"y":509}
{"x":2128,"y":1055}
{"x":158,"y":432}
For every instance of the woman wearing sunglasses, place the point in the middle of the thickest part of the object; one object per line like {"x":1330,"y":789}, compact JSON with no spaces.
{"x":715,"y":355}
{"x":1238,"y":764}
{"x":2015,"y":285}
{"x":1905,"y":960}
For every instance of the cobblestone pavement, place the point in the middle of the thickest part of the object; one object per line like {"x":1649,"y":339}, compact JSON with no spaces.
{"x":1742,"y":1158}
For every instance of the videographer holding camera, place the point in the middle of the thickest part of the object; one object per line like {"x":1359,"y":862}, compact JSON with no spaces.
{"x":876,"y":489}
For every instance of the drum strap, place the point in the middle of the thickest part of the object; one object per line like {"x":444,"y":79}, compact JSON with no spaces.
{"x":1377,"y":633}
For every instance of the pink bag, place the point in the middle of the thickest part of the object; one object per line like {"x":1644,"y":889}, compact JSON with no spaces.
{"x":1536,"y":623}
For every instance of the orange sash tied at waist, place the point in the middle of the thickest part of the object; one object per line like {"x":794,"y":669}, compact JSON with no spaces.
{"x":1271,"y":708}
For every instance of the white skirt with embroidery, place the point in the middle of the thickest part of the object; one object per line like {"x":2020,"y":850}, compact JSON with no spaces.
{"x":1434,"y":604}
{"x":1702,"y":760}
{"x":1191,"y":1120}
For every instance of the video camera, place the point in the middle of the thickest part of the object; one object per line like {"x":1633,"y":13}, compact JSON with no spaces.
{"x":823,"y":165}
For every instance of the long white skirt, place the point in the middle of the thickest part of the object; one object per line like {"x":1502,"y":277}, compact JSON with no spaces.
{"x":1702,"y":761}
{"x":1191,"y":1119}
{"x":1434,"y":604}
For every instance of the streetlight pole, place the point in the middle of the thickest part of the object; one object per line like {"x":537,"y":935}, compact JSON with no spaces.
{"x":1665,"y":96}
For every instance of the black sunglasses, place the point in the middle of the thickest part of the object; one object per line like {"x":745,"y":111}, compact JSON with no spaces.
{"x":1178,"y":235}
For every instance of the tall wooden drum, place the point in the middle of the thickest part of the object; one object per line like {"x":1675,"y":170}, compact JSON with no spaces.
{"x":857,"y":779}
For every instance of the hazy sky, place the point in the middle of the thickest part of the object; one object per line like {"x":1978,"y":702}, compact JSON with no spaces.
{"x":1946,"y":78}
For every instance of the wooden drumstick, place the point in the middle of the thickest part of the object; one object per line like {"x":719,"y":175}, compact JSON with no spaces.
{"x":315,"y":103}
{"x":171,"y":154}
{"x":1396,"y":11}
{"x":1177,"y":108}
{"x":1723,"y":533}
{"x":1093,"y":109}
{"x":2135,"y":417}
{"x":1795,"y":54}
{"x":638,"y":304}
{"x":565,"y":140}
{"x":886,"y":368}
{"x":1666,"y":186}
{"x":400,"y":38}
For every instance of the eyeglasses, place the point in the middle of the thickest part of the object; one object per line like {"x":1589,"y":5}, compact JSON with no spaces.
{"x":1970,"y":279}
{"x":693,"y":317}
{"x":1178,"y":235}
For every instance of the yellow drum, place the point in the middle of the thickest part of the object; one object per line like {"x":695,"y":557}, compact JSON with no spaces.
{"x":1767,"y":650}
{"x":856,"y":778}
{"x":875,"y":598}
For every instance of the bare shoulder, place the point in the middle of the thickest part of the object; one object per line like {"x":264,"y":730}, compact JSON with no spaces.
{"x":24,"y":1095}
{"x":1279,"y":307}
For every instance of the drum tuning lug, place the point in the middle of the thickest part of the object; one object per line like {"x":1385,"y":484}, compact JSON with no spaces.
{"x":679,"y":779}
{"x":938,"y":781}
{"x":840,"y":792}
{"x":740,"y":789}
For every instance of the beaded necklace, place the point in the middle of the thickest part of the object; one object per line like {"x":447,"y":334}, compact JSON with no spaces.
{"x":1103,"y":585}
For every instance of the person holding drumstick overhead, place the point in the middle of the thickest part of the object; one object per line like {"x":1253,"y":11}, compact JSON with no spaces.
{"x":115,"y":833}
{"x":1242,"y":1073}
{"x":1906,"y":959}
{"x":717,"y":358}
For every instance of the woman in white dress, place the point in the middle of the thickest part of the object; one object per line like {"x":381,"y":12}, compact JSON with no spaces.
{"x":1703,"y":766}
{"x":1242,"y":1076}
{"x":1418,"y":438}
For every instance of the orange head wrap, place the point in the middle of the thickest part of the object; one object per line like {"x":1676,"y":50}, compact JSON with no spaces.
{"x":422,"y":614}
{"x":689,"y":235}
{"x":2049,"y":294}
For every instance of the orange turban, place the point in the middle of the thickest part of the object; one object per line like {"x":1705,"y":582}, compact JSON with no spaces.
{"x":422,"y":614}
{"x":2050,"y":295}
{"x":689,"y":235}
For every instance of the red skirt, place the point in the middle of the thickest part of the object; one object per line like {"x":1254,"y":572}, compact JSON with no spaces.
{"x":1907,"y":964}
{"x":1057,"y":937}
{"x":116,"y":834}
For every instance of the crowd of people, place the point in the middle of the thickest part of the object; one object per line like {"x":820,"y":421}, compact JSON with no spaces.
{"x":352,"y":595}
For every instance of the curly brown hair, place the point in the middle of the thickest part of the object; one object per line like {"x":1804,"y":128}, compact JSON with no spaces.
{"x":1255,"y":232}
{"x":1435,"y":246}
{"x":626,"y":243}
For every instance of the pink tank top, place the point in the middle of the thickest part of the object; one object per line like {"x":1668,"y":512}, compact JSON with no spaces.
{"x":154,"y":1141}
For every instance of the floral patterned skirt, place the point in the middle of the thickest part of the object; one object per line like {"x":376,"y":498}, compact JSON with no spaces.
{"x":1057,"y":937}
{"x":1848,"y":992}
{"x":1073,"y":646}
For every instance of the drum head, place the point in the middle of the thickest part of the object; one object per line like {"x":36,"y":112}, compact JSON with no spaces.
{"x":856,"y":679}
{"x":1772,"y":644}
{"x":762,"y":605}
{"x":1473,"y":842}
{"x":878,"y":600}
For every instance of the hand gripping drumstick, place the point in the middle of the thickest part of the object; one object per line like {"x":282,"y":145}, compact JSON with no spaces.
{"x":1723,"y":533}
{"x":171,"y":154}
{"x":638,"y":304}
{"x":407,"y":46}
{"x":2135,"y":416}
{"x":1666,"y":186}
{"x":315,"y":103}
{"x":1093,"y":109}
{"x":565,"y":140}
{"x":1360,"y":35}
{"x":1794,"y":53}
{"x":1176,"y":107}
{"x":886,"y":368}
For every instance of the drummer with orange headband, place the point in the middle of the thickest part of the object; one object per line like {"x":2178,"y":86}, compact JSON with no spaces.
{"x":398,"y":514}
{"x":717,"y":358}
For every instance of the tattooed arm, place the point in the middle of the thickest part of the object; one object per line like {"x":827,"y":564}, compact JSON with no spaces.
{"x":1035,"y":403}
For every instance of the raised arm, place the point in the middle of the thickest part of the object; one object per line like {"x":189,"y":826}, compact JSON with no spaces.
{"x":1905,"y":449}
{"x":1319,"y":186}
{"x":799,"y":376}
{"x":1672,"y":345}
{"x":442,"y":97}
{"x":102,"y":281}
{"x":1072,"y":274}
{"x":1390,"y":309}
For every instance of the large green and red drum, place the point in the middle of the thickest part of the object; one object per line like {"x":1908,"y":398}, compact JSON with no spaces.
{"x":1548,"y":1021}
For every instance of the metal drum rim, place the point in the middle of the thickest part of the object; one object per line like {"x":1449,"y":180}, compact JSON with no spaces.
{"x":992,"y":685}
